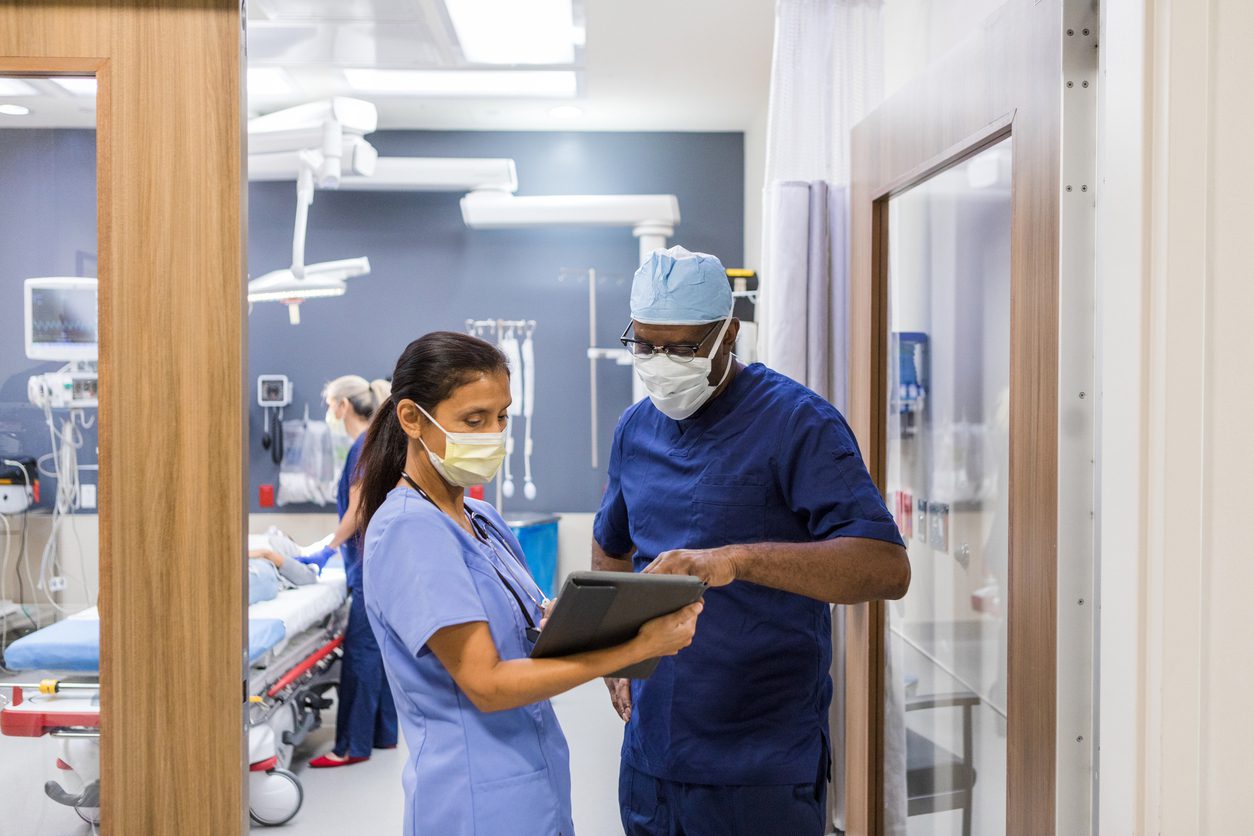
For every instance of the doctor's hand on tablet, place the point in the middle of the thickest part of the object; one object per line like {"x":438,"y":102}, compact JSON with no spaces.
{"x":717,"y":567}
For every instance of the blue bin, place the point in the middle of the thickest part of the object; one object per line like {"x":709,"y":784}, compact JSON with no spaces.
{"x":537,"y":533}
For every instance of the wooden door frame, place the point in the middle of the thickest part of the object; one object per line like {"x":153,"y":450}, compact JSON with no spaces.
{"x":172,"y":435}
{"x":1003,"y":81}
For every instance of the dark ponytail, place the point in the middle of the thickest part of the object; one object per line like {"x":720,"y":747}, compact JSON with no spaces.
{"x":429,"y":370}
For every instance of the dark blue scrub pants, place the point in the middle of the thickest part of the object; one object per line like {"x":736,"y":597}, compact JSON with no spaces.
{"x":366,"y":717}
{"x":653,"y":807}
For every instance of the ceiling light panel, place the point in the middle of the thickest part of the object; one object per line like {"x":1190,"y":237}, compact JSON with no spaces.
{"x":335,"y":10}
{"x":14,"y":110}
{"x":16,"y":87}
{"x":539,"y":84}
{"x":77,"y":86}
{"x":347,"y":44}
{"x":514,"y":31}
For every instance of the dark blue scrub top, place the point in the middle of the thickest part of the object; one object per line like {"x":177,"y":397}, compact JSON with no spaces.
{"x":351,"y":549}
{"x":767,"y":461}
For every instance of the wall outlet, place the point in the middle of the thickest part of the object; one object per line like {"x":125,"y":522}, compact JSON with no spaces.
{"x":56,"y":584}
{"x":86,"y":496}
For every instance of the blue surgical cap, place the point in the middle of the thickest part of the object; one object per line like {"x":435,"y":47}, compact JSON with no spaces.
{"x":677,"y":287}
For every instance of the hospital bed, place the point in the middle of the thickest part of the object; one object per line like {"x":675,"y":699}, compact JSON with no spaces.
{"x":294,"y":647}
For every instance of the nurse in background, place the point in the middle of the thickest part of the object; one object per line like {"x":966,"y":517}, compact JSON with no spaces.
{"x":451,"y":602}
{"x":754,"y":483}
{"x":366,"y":714}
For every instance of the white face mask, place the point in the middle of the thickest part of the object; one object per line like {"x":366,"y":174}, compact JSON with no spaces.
{"x":336,"y":424}
{"x":469,"y":458}
{"x":678,"y":389}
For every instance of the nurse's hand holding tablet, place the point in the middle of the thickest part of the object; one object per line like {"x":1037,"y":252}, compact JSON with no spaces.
{"x":452,"y":605}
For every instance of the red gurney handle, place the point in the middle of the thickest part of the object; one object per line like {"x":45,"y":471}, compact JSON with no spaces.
{"x":303,"y":668}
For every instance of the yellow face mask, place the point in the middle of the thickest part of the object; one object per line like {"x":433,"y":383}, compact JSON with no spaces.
{"x":469,"y":458}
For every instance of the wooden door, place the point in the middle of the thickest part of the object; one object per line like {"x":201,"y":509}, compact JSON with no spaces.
{"x":171,"y":240}
{"x":994,"y":108}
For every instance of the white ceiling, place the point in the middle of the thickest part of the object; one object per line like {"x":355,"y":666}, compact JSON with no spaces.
{"x":652,"y":65}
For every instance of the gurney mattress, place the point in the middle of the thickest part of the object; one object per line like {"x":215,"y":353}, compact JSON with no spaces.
{"x":74,"y":643}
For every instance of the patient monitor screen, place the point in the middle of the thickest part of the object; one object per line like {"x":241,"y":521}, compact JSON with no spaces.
{"x":63,"y":315}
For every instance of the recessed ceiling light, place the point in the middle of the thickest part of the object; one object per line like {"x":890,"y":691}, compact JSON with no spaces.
{"x":269,"y":81}
{"x":77,"y":86}
{"x":566,"y":112}
{"x":16,"y":87}
{"x":539,"y":84}
{"x":14,"y":110}
{"x":514,"y":31}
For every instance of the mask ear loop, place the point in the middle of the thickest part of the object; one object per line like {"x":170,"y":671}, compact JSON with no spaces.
{"x":722,"y":332}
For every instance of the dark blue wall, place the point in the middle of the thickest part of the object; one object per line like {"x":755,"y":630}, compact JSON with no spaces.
{"x":47,"y":228}
{"x":431,"y":272}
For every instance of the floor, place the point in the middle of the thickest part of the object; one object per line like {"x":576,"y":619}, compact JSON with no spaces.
{"x":362,"y":798}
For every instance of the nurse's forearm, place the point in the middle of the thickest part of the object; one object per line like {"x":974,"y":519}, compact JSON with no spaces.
{"x":347,"y":527}
{"x":525,"y":681}
{"x":469,"y":654}
{"x":845,"y":570}
{"x":604,"y":562}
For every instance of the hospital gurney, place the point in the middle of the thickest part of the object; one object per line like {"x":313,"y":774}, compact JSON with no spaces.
{"x":294,"y":647}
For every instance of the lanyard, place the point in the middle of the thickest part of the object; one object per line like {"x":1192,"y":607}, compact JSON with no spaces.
{"x":482,"y":525}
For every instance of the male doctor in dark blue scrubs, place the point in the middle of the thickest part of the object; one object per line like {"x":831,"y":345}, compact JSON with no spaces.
{"x":751,"y":481}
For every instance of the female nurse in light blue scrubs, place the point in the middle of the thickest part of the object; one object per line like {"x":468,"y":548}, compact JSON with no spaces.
{"x":454,"y":607}
{"x":365,"y":716}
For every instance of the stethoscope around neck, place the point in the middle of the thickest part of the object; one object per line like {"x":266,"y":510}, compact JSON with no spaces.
{"x":482,"y":526}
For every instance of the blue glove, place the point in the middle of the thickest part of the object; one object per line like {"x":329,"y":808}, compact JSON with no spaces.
{"x":319,"y":558}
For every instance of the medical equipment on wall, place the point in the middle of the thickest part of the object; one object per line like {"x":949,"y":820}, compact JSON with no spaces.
{"x":620,"y":357}
{"x":61,"y":319}
{"x":529,"y":407}
{"x":61,"y":324}
{"x":746,"y":303}
{"x":513,"y":353}
{"x":292,"y":134}
{"x":520,"y":353}
{"x":307,"y":474}
{"x":274,"y":391}
{"x":19,"y":484}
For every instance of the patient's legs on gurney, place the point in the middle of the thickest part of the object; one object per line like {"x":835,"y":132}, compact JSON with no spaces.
{"x":366,"y":716}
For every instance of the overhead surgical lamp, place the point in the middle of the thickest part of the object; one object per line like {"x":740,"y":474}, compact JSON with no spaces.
{"x":315,"y":167}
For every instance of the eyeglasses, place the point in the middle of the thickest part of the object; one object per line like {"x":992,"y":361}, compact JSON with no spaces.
{"x":683,"y":352}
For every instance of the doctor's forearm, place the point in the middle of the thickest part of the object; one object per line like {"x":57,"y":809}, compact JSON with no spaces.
{"x":604,"y":562}
{"x":844,"y":570}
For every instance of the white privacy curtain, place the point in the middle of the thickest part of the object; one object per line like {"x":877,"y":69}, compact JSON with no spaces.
{"x":827,"y":74}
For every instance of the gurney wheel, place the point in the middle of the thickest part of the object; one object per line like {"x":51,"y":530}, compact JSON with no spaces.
{"x":91,"y":815}
{"x":276,"y":798}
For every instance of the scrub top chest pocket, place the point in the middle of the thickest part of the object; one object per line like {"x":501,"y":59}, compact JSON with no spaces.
{"x":729,"y":509}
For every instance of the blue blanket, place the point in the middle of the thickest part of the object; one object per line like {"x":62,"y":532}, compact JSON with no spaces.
{"x":74,"y":645}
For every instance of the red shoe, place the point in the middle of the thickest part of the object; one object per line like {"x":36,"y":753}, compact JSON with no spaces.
{"x":329,"y":761}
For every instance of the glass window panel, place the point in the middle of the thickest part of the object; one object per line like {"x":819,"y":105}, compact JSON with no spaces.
{"x":946,"y":480}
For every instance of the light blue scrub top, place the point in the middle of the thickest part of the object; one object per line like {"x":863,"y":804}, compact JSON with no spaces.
{"x":507,"y":772}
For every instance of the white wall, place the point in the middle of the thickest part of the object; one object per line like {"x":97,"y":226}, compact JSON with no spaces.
{"x":755,"y":180}
{"x":1177,"y":395}
{"x":917,"y":32}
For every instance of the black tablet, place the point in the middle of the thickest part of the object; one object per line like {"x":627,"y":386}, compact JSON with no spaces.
{"x":596,"y":610}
